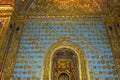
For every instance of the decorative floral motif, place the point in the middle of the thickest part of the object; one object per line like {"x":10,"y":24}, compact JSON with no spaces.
{"x":64,"y":6}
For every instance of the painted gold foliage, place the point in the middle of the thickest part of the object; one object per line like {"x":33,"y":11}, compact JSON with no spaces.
{"x":64,"y":6}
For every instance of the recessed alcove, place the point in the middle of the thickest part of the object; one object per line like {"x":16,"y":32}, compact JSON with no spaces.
{"x":63,"y":76}
{"x":65,"y":65}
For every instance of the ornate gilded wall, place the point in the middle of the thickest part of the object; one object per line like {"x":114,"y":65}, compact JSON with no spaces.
{"x":6,"y":9}
{"x":4,"y":39}
{"x":39,"y":33}
{"x":113,"y":30}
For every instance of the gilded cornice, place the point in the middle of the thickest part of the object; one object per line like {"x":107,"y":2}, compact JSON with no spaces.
{"x":6,"y":10}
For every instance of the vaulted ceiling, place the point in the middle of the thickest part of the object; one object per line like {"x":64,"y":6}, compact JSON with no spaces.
{"x":65,"y":7}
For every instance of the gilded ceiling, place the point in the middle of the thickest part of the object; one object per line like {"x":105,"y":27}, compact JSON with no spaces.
{"x":64,"y":6}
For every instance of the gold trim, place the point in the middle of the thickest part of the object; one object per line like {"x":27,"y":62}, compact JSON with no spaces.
{"x":65,"y":42}
{"x":64,"y":72}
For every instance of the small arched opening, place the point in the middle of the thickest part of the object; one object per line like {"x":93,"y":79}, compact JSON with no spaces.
{"x":63,"y":76}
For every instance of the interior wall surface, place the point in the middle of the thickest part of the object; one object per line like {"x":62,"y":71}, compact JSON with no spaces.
{"x":87,"y":32}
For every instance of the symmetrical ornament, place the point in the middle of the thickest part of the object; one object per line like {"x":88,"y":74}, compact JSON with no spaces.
{"x":82,"y":62}
{"x":64,"y":7}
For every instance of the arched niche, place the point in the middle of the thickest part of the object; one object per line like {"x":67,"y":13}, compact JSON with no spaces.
{"x":64,"y":73}
{"x":65,"y":61}
{"x":63,"y":76}
{"x":65,"y":43}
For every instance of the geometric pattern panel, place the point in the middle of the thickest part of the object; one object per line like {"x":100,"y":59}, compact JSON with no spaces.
{"x":40,"y":33}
